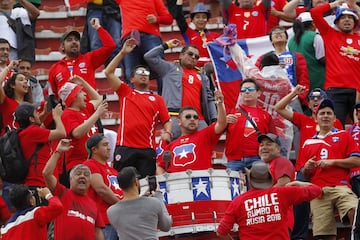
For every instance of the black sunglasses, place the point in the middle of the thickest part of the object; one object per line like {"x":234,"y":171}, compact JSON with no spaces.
{"x":193,"y":54}
{"x":189,"y":116}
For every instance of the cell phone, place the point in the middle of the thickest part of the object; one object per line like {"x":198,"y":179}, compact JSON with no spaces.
{"x":152,"y":183}
{"x":104,"y":96}
{"x":135,"y":34}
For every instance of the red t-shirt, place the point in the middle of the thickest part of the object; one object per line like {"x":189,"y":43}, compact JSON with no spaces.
{"x":280,"y":167}
{"x":133,"y":15}
{"x":262,"y":214}
{"x":7,"y":110}
{"x":200,"y":40}
{"x":71,"y":120}
{"x":241,"y":137}
{"x":250,"y":22}
{"x":29,"y":138}
{"x":84,"y":65}
{"x":140,"y":113}
{"x":79,"y":218}
{"x":354,"y":130}
{"x":191,"y":85}
{"x":341,"y":50}
{"x":192,"y":151}
{"x":336,"y":145}
{"x":109,"y":175}
{"x":307,"y":128}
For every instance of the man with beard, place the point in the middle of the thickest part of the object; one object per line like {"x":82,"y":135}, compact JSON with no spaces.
{"x":140,"y":112}
{"x":138,"y":217}
{"x":75,"y":63}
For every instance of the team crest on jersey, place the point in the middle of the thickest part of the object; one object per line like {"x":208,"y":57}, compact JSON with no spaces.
{"x":117,"y":157}
{"x":152,"y":98}
{"x":255,"y":13}
{"x":247,"y":14}
{"x":82,"y":65}
{"x":335,"y":139}
{"x":184,"y":155}
{"x":113,"y":182}
{"x":349,"y":41}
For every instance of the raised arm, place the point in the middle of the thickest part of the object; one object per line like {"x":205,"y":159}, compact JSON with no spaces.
{"x":3,"y":75}
{"x":280,"y":107}
{"x":48,"y":172}
{"x":59,"y":131}
{"x":290,"y":8}
{"x":221,"y":116}
{"x":175,"y":8}
{"x":33,"y":11}
{"x":112,"y":79}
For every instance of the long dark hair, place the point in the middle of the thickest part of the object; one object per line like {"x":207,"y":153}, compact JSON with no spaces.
{"x":299,"y":29}
{"x":9,"y":90}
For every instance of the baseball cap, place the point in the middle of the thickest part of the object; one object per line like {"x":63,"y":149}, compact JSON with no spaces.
{"x":68,"y":92}
{"x":317,"y":92}
{"x":200,"y":8}
{"x":345,"y":10}
{"x":24,"y":111}
{"x":357,"y":105}
{"x":272,"y":137}
{"x":325,"y":103}
{"x":93,"y":141}
{"x":259,"y":175}
{"x":305,"y":17}
{"x":67,"y":34}
{"x":126,"y":176}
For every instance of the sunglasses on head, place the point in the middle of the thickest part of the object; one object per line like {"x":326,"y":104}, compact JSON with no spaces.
{"x":250,"y":89}
{"x":191,"y":54}
{"x":142,"y":72}
{"x":189,"y":116}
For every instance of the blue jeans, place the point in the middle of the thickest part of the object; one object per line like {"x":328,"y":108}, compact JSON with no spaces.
{"x":135,"y":58}
{"x":240,"y":165}
{"x":301,"y":215}
{"x":6,"y":192}
{"x":112,"y":25}
{"x":109,"y":233}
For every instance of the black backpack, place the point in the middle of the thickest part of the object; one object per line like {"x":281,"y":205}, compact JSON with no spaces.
{"x":13,"y":167}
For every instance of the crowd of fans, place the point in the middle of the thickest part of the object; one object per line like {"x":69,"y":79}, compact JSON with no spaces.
{"x":84,"y":183}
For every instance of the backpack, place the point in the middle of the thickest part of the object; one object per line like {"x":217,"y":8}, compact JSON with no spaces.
{"x":13,"y":167}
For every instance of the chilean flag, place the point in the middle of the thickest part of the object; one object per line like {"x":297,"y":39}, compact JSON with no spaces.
{"x":226,"y":72}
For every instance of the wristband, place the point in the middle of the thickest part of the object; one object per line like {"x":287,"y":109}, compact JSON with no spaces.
{"x":170,"y":133}
{"x":47,"y":196}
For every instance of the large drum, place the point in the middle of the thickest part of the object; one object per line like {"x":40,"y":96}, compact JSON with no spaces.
{"x":197,"y":200}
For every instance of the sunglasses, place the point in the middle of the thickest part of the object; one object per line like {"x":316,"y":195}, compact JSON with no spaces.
{"x":189,"y":116}
{"x":316,"y":97}
{"x":191,"y":54}
{"x":142,"y":72}
{"x":250,"y":89}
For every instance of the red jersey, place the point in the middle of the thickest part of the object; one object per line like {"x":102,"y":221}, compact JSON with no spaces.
{"x":84,"y":65}
{"x":336,"y":145}
{"x":259,"y":212}
{"x":29,"y":138}
{"x":191,"y":85}
{"x":280,"y":167}
{"x":133,"y":15}
{"x":193,"y":151}
{"x":342,"y":52}
{"x":79,"y":217}
{"x":200,"y":40}
{"x":71,"y":120}
{"x":241,"y":137}
{"x":109,"y":175}
{"x":273,"y":21}
{"x":7,"y":110}
{"x":31,"y":223}
{"x":307,"y":128}
{"x":140,"y":113}
{"x":354,"y":130}
{"x":250,"y":22}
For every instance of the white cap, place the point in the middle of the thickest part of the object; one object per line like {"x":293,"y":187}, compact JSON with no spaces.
{"x":305,"y":17}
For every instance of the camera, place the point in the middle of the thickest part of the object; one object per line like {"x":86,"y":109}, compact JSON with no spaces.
{"x":152,"y":183}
